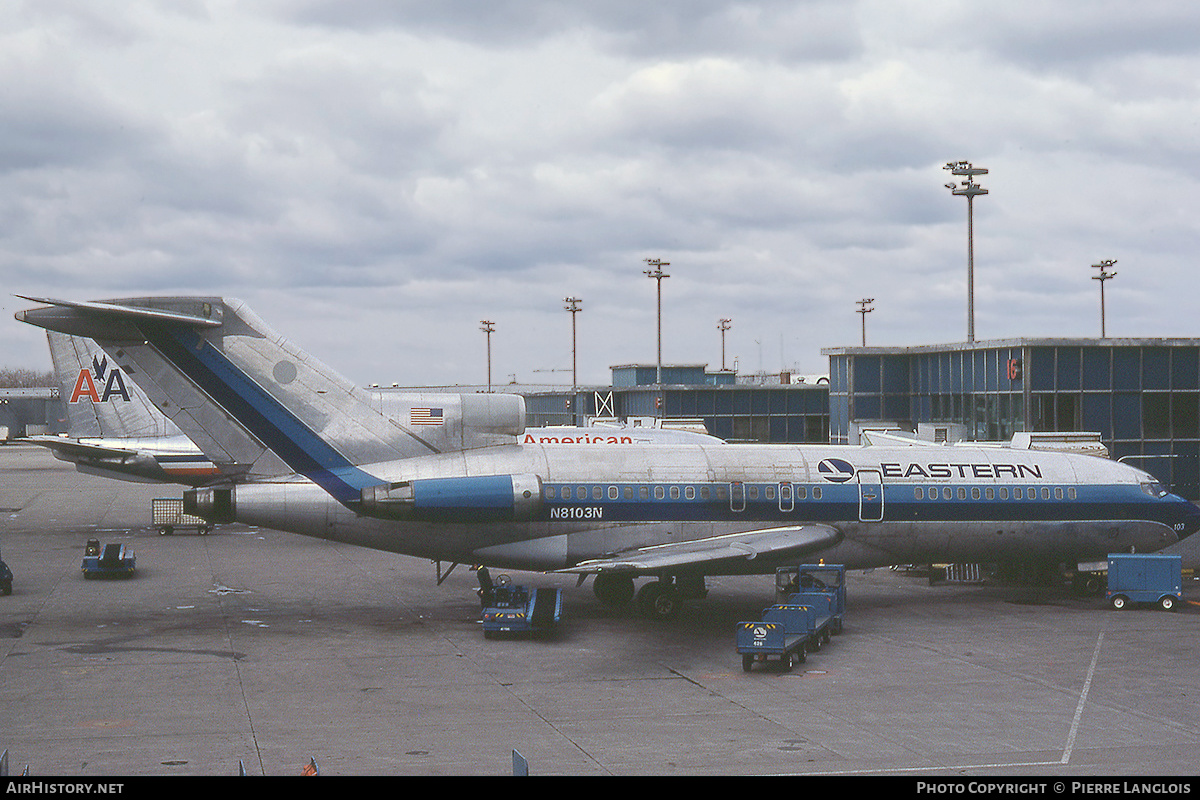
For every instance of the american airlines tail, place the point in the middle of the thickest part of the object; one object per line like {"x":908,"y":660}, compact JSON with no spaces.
{"x":258,"y":405}
{"x":100,"y":402}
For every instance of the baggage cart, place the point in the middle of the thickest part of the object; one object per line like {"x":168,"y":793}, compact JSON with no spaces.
{"x":787,"y":632}
{"x":169,"y":517}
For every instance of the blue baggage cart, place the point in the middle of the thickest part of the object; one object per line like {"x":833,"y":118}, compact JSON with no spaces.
{"x":786,"y":632}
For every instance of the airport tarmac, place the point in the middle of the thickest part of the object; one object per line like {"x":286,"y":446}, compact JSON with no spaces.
{"x":266,"y":648}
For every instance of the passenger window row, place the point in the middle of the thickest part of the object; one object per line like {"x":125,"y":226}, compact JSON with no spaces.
{"x":994,"y":493}
{"x":784,"y":492}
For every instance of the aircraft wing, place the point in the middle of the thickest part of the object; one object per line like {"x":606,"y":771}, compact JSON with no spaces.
{"x":791,"y":541}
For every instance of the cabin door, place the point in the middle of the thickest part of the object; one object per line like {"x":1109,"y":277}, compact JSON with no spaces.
{"x":737,"y":496}
{"x":870,"y":495}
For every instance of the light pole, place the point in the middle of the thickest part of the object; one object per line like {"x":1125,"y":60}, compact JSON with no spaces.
{"x":573,"y":307}
{"x":723,"y":325}
{"x":488,"y":327}
{"x":864,"y":310}
{"x":970,"y":190}
{"x":1102,"y":277}
{"x":656,"y":272}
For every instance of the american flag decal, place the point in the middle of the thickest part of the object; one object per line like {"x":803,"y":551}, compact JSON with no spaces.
{"x":425,"y":416}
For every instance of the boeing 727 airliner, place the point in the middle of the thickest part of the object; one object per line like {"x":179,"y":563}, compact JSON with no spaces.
{"x":345,"y":471}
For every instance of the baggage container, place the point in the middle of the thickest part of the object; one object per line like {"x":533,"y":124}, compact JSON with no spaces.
{"x":1145,"y":579}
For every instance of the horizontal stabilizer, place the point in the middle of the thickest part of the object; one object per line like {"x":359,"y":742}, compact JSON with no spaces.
{"x":77,"y":448}
{"x":776,"y":543}
{"x":192,"y":313}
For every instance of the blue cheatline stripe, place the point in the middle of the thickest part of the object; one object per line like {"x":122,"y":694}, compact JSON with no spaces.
{"x":266,"y":418}
{"x":840,"y":502}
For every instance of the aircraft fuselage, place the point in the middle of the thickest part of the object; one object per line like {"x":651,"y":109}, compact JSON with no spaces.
{"x":541,"y":508}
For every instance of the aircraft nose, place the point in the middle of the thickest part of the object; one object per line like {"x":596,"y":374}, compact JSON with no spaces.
{"x":1191,"y":519}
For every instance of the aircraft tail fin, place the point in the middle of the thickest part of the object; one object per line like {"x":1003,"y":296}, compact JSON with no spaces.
{"x":100,"y":402}
{"x":247,"y":396}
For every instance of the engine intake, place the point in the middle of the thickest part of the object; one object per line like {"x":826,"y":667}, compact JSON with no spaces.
{"x":211,"y":505}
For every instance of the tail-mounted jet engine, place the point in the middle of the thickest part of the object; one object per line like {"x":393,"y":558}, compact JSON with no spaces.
{"x":470,"y":499}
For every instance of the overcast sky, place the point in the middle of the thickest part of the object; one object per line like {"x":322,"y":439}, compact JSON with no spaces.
{"x":375,"y":178}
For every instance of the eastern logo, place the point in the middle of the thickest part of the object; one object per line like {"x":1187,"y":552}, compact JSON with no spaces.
{"x":836,"y":470}
{"x":88,"y":380}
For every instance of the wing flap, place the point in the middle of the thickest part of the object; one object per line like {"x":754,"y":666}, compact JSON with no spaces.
{"x":794,"y":540}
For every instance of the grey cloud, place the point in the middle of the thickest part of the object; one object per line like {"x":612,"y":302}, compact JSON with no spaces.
{"x":811,"y":29}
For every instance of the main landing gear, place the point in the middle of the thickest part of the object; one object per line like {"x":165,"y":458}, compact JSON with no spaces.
{"x":661,"y":598}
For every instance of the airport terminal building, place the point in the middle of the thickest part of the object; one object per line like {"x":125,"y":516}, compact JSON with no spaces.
{"x":1141,"y":395}
{"x":761,"y":409}
{"x":28,"y":412}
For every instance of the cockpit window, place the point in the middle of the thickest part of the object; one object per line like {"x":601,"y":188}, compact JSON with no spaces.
{"x":1154,"y":489}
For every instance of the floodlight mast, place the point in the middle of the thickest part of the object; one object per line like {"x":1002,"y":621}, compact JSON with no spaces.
{"x":723,"y":325}
{"x":970,"y":190}
{"x":864,"y":308}
{"x":656,"y":272}
{"x":573,"y":307}
{"x":1103,"y":276}
{"x":488,"y":327}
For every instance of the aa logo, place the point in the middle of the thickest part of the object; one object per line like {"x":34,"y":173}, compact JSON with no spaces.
{"x":85,"y":384}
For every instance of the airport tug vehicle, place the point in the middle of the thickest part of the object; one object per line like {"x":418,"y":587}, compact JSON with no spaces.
{"x":512,"y":609}
{"x":108,"y":561}
{"x":811,"y":608}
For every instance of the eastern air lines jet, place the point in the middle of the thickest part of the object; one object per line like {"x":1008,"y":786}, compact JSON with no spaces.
{"x":318,"y":457}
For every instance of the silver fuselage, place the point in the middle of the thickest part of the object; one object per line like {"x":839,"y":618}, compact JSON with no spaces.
{"x":890,"y":505}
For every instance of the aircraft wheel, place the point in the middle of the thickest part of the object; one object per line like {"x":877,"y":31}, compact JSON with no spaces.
{"x":1119,"y":601}
{"x":658,"y":601}
{"x":1167,"y":603}
{"x":613,"y":590}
